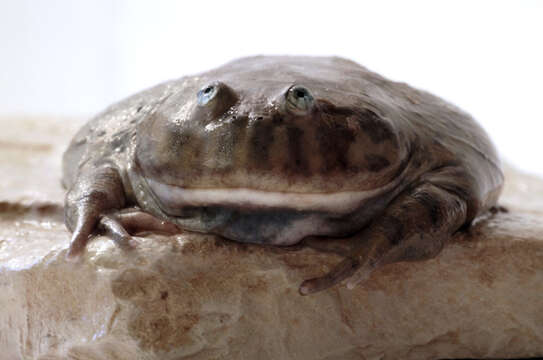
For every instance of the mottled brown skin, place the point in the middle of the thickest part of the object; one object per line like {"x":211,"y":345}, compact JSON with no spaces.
{"x":420,"y":168}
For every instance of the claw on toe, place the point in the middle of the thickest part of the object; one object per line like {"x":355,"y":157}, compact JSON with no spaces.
{"x":79,"y":240}
{"x":342,"y":271}
{"x":72,"y":256}
{"x":74,"y":253}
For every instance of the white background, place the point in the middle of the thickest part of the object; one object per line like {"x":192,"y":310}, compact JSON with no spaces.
{"x":76,"y":57}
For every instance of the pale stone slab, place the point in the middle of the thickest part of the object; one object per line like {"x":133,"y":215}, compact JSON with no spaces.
{"x":198,"y":297}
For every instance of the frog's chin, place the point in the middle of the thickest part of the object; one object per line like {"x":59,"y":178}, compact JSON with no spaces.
{"x":173,"y":197}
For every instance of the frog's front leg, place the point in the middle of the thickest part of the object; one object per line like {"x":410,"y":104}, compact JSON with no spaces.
{"x":95,"y":193}
{"x":413,"y":227}
{"x":94,"y":205}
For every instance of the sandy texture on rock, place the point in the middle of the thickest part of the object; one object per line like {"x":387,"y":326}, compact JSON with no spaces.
{"x":199,"y":297}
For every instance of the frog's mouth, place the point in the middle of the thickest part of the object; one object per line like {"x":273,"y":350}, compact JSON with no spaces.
{"x":174,"y":198}
{"x":270,"y":217}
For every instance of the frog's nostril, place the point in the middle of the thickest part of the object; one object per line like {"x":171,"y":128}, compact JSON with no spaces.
{"x":260,"y":118}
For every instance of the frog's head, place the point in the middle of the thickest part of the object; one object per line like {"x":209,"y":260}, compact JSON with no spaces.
{"x":283,"y":132}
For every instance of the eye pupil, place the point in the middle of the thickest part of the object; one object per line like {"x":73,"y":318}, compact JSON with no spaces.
{"x":208,"y":90}
{"x":299,"y":93}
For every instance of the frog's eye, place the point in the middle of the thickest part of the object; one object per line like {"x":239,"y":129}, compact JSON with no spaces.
{"x":299,"y":99}
{"x":206,"y":94}
{"x":214,"y":100}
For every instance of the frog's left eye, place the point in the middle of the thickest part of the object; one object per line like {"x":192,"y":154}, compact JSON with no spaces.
{"x":207,"y":94}
{"x":299,"y":99}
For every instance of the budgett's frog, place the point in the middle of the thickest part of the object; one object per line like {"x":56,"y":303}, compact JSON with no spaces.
{"x":283,"y":150}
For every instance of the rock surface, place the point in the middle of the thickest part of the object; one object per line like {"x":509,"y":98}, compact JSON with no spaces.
{"x":198,"y":297}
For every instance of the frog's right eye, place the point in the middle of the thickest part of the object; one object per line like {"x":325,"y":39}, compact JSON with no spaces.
{"x":214,"y":99}
{"x":207,"y":94}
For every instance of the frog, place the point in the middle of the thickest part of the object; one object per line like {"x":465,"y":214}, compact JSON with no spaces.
{"x":285,"y":151}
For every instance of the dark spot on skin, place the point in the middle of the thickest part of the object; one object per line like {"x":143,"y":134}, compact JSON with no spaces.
{"x":376,"y":163}
{"x":186,"y":147}
{"x":225,"y":147}
{"x":120,"y":140}
{"x":377,"y":130}
{"x":393,"y":229}
{"x":328,"y":108}
{"x":180,"y":139}
{"x":334,"y":141}
{"x":295,"y":150}
{"x":277,"y":119}
{"x":164,"y":295}
{"x":432,"y":205}
{"x":260,"y":142}
{"x":139,"y":108}
{"x":238,"y":133}
{"x":417,"y":161}
{"x":369,"y":122}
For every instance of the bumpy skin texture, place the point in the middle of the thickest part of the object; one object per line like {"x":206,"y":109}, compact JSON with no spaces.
{"x":283,"y":150}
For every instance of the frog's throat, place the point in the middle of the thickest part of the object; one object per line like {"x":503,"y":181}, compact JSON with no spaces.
{"x":172,"y":197}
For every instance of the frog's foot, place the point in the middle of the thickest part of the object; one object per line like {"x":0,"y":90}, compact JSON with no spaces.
{"x":92,"y":207}
{"x":120,"y":226}
{"x":414,"y":227}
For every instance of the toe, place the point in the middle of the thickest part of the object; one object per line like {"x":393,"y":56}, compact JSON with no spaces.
{"x":342,"y":271}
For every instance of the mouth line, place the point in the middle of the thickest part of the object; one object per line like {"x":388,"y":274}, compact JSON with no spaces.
{"x":173,"y":197}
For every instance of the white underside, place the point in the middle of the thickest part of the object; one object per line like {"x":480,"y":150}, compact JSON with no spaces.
{"x":174,"y":197}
